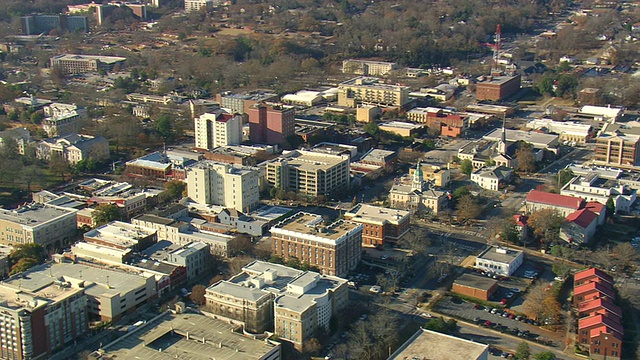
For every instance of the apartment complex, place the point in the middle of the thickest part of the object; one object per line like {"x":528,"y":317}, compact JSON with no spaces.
{"x":52,"y":227}
{"x":37,"y":322}
{"x":77,"y":64}
{"x":380,"y":225}
{"x":333,"y":248}
{"x":600,"y":328}
{"x":309,"y":173}
{"x":39,"y":24}
{"x":227,"y":185}
{"x":617,"y":150}
{"x":371,"y":91}
{"x":264,"y":296}
{"x":213,"y":130}
{"x":368,"y":68}
{"x":73,"y":148}
{"x":270,"y":124}
{"x":496,"y":88}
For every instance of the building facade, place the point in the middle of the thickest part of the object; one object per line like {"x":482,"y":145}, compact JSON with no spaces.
{"x":52,"y":227}
{"x":617,"y":150}
{"x":367,"y":67}
{"x":380,"y":225}
{"x":270,"y":124}
{"x":498,"y":260}
{"x":214,"y":130}
{"x":496,"y":88}
{"x":333,"y":248}
{"x":417,"y":196}
{"x":371,"y":91}
{"x":73,"y":148}
{"x":77,"y":64}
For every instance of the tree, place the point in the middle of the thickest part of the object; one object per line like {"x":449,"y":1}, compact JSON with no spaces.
{"x":175,"y":189}
{"x":106,"y":213}
{"x":625,"y":255}
{"x":460,"y":192}
{"x":466,"y":166}
{"x":510,"y":232}
{"x":312,"y":347}
{"x":31,"y":251}
{"x":164,"y":127}
{"x":564,"y":176}
{"x":526,"y":160}
{"x":23,"y":265}
{"x":59,"y":165}
{"x":197,"y":294}
{"x":610,"y":207}
{"x":371,"y":128}
{"x":467,"y":208}
{"x":440,"y":325}
{"x":545,"y":355}
{"x":546,"y":224}
{"x":523,"y":352}
{"x":534,"y":303}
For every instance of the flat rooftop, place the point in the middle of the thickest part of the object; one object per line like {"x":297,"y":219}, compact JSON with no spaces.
{"x":531,"y":137}
{"x":119,"y":233}
{"x":312,"y":161}
{"x":439,"y":346}
{"x":475,"y":281}
{"x":166,"y":339}
{"x":312,"y":225}
{"x":373,"y":83}
{"x":76,"y":57}
{"x":503,"y":255}
{"x":376,"y":214}
{"x":401,"y":125}
{"x":498,"y":80}
{"x":34,"y":215}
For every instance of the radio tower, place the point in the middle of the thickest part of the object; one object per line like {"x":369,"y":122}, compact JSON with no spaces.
{"x":496,"y":53}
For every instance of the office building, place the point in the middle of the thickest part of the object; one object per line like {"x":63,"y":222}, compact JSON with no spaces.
{"x":617,"y":150}
{"x":217,"y":339}
{"x":196,"y":5}
{"x":73,"y":148}
{"x":194,"y":257}
{"x":417,"y":196}
{"x":371,"y":91}
{"x":435,"y":345}
{"x":435,"y":174}
{"x":110,"y":294}
{"x":568,"y":131}
{"x":499,"y":260}
{"x":404,"y":129}
{"x":104,"y":11}
{"x":333,"y":248}
{"x":217,"y":129}
{"x":368,"y":68}
{"x":479,"y":287}
{"x":270,"y":124}
{"x":492,"y":178}
{"x":310,"y":173}
{"x":37,"y":322}
{"x":380,"y":225}
{"x":241,"y":103}
{"x":121,"y":235}
{"x":77,"y":64}
{"x":593,"y":187}
{"x":440,"y":121}
{"x":52,"y":227}
{"x":227,"y":185}
{"x":44,"y":24}
{"x":294,"y":304}
{"x":496,"y":88}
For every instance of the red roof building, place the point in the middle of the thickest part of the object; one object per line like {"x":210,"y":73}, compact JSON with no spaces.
{"x":585,"y":325}
{"x":580,"y":227}
{"x":537,"y":200}
{"x":600,"y":307}
{"x":590,"y":274}
{"x":592,"y":291}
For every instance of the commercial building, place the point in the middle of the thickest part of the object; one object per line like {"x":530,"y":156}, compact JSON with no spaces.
{"x":241,"y":103}
{"x":309,"y":173}
{"x":479,"y":287}
{"x":440,"y":346}
{"x":594,"y":187}
{"x":73,"y":148}
{"x":548,"y":142}
{"x":52,"y":227}
{"x":194,"y":257}
{"x":371,"y":91}
{"x":43,"y":24}
{"x":217,"y":129}
{"x":270,"y":124}
{"x":333,"y":248}
{"x":401,"y":128}
{"x":617,"y":150}
{"x":367,"y":67}
{"x":77,"y":64}
{"x":173,"y":335}
{"x":499,"y":260}
{"x":227,"y":185}
{"x":270,"y":297}
{"x":496,"y":88}
{"x":380,"y":225}
{"x":417,"y":196}
{"x":441,"y":121}
{"x":492,"y":178}
{"x":154,"y":99}
{"x":38,"y":322}
{"x":110,"y":294}
{"x":602,"y":113}
{"x":121,"y":235}
{"x":568,"y":131}
{"x":386,"y":159}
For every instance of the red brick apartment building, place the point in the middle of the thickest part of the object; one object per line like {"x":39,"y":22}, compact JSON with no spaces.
{"x":335,"y":249}
{"x":600,"y":328}
{"x":380,"y":225}
{"x":270,"y":124}
{"x":496,"y":88}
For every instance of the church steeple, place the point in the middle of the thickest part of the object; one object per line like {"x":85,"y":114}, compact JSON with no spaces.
{"x":502,"y":144}
{"x":417,"y":182}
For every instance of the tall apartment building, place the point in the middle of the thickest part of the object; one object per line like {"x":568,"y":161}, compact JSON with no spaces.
{"x":368,"y":68}
{"x":270,"y":124}
{"x":370,"y":91}
{"x":38,"y":24}
{"x":333,"y":248}
{"x":214,"y":130}
{"x":35,"y":323}
{"x":196,"y":5}
{"x":380,"y":225}
{"x":77,"y":64}
{"x":309,"y":173}
{"x":293,"y":303}
{"x":227,"y":185}
{"x":241,"y":103}
{"x":50,"y":226}
{"x":496,"y":88}
{"x":617,"y":150}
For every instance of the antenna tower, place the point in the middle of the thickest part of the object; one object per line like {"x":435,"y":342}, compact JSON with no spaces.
{"x":496,"y":50}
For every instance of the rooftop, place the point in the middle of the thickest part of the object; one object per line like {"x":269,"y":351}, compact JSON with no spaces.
{"x":312,"y":226}
{"x":582,"y":218}
{"x":499,"y":254}
{"x":165,"y":339}
{"x":475,"y":281}
{"x":76,"y":57}
{"x":311,"y":161}
{"x":532,"y":137}
{"x":119,"y":233}
{"x":401,"y":125}
{"x":497,"y":80}
{"x":376,"y":214}
{"x":371,"y":82}
{"x":378,"y":155}
{"x":155,"y":160}
{"x":439,"y":346}
{"x":34,"y":215}
{"x":537,"y":196}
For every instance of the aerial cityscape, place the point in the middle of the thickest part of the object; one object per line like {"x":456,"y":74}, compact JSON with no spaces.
{"x":319,"y":180}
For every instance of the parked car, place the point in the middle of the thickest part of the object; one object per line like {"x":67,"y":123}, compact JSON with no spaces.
{"x":376,"y":289}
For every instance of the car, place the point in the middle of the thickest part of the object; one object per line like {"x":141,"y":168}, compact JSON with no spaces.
{"x":477,"y":307}
{"x":376,"y":289}
{"x":503,"y":302}
{"x":384,"y":257}
{"x":510,"y":295}
{"x":487,"y":309}
{"x":512,"y":316}
{"x":518,"y":318}
{"x":514,"y":290}
{"x":476,"y":319}
{"x":488,"y":323}
{"x":363,"y":317}
{"x":426,"y":315}
{"x":494,"y":310}
{"x":505,"y":314}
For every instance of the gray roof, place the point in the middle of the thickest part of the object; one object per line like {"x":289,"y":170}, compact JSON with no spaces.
{"x":475,"y":281}
{"x":34,"y":215}
{"x":491,"y":253}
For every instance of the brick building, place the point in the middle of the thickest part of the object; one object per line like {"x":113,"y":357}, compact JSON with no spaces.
{"x":380,"y":225}
{"x":270,"y":124}
{"x":496,"y":88}
{"x":479,"y":287}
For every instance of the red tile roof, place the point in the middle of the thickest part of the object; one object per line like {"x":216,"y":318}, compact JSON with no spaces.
{"x":597,"y":320}
{"x":521,"y":220}
{"x":582,"y":218}
{"x":603,"y":289}
{"x":604,"y":330}
{"x":591,"y":272}
{"x":537,"y":196}
{"x":600,"y":303}
{"x":595,"y":206}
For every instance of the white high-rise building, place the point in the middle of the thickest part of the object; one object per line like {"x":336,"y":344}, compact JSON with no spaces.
{"x":214,"y":130}
{"x":229,"y":185}
{"x":196,"y":5}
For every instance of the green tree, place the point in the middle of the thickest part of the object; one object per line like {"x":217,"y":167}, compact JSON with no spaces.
{"x":32,"y":251}
{"x":510,"y":232}
{"x":466,"y":166}
{"x":163,"y":125}
{"x":523,"y":352}
{"x":545,"y":355}
{"x":460,"y":192}
{"x":175,"y":189}
{"x":440,"y":325}
{"x":23,"y":265}
{"x":371,"y":128}
{"x":106,"y":213}
{"x":610,"y":207}
{"x":564,"y":176}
